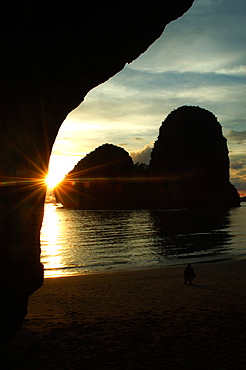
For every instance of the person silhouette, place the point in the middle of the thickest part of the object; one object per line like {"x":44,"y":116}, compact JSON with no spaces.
{"x":189,"y":274}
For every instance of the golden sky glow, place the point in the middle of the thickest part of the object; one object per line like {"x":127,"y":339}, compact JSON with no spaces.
{"x":52,"y":180}
{"x":59,"y":166}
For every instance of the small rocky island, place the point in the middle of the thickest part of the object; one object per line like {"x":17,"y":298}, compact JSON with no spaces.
{"x":189,"y":167}
{"x":190,"y":159}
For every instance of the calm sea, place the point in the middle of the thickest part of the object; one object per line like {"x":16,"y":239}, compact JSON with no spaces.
{"x":76,"y":242}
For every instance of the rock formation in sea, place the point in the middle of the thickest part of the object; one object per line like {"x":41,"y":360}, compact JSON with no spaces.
{"x":190,"y":162}
{"x":101,"y":180}
{"x":189,"y":167}
{"x":52,"y":55}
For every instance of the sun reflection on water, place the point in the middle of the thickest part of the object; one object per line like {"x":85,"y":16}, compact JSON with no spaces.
{"x":51,"y":256}
{"x":76,"y":242}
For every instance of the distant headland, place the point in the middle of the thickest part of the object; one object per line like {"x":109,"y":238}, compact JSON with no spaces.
{"x":189,"y":167}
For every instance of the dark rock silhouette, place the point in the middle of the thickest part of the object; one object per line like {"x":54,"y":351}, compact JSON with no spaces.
{"x":101,"y":180}
{"x":189,"y":167}
{"x":51,"y":56}
{"x":106,"y":161}
{"x":190,"y":162}
{"x":106,"y":179}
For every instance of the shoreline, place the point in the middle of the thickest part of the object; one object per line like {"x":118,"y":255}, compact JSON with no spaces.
{"x":214,"y":261}
{"x":136,"y":319}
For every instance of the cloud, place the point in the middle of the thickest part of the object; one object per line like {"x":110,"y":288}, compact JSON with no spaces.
{"x":237,"y":165}
{"x":142,"y":155}
{"x":210,"y":37}
{"x":238,"y":136}
{"x":233,"y":70}
{"x":152,"y":97}
{"x":122,"y":144}
{"x":238,"y":172}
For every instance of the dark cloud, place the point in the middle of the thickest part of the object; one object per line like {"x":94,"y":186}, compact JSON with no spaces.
{"x":238,"y":136}
{"x":122,"y":144}
{"x":237,"y":165}
{"x":238,"y":172}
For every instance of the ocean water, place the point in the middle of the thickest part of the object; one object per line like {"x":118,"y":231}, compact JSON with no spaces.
{"x":75,"y":242}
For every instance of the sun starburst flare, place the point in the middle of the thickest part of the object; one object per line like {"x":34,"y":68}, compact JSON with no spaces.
{"x":53,"y":179}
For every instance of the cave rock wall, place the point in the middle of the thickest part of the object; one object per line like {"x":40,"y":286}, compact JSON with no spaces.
{"x":52,"y":54}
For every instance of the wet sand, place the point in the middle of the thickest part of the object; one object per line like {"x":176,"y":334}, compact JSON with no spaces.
{"x":144,"y":319}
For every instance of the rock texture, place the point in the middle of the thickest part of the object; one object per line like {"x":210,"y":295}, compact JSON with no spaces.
{"x":52,"y":54}
{"x":190,"y":162}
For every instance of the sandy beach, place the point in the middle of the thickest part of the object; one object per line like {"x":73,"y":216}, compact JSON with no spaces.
{"x":146,"y":319}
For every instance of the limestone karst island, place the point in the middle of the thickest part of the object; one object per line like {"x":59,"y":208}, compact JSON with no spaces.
{"x":189,"y":167}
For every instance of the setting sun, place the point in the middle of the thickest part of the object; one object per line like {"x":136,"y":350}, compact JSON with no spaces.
{"x":59,"y":166}
{"x":53,"y":179}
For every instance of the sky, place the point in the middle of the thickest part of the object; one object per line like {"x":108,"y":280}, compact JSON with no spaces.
{"x":199,"y":60}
